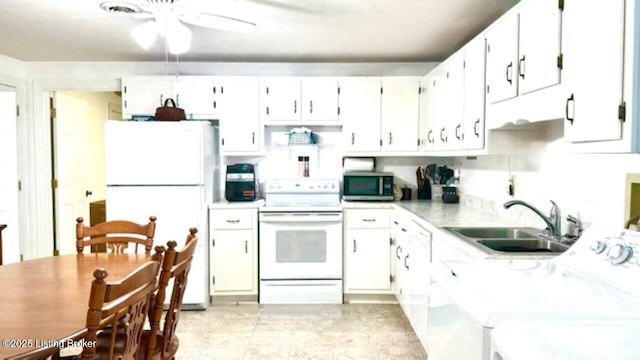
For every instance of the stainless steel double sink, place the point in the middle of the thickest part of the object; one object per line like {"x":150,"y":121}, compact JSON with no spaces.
{"x":509,"y":241}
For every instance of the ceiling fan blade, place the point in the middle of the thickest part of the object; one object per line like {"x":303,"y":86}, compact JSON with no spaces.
{"x":218,"y":22}
{"x":283,"y":5}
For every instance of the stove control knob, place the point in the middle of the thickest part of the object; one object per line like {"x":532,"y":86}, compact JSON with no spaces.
{"x":619,"y":253}
{"x":598,"y":247}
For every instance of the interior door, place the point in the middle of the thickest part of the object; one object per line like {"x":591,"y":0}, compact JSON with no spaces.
{"x":9,"y":176}
{"x":70,"y":138}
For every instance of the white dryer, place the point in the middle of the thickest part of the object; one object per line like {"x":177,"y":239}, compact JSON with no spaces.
{"x":596,"y":279}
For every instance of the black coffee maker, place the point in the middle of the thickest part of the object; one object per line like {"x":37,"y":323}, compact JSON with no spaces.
{"x":242,"y":183}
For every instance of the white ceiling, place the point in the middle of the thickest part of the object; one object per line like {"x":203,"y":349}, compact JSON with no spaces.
{"x":287,"y":30}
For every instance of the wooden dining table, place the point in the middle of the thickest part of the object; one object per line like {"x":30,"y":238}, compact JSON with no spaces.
{"x":45,"y":301}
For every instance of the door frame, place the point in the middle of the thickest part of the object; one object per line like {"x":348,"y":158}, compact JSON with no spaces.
{"x":39,"y":243}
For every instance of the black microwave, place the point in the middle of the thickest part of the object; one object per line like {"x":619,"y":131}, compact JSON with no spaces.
{"x":367,"y":186}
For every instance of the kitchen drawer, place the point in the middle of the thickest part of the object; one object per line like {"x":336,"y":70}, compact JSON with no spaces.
{"x":232,"y":219}
{"x":368,"y":219}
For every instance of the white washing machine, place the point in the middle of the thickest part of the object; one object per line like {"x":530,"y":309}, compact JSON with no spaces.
{"x":596,"y":279}
{"x":583,"y":340}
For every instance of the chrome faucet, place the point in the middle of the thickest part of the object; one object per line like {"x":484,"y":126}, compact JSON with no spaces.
{"x":553,"y":221}
{"x":578,"y":228}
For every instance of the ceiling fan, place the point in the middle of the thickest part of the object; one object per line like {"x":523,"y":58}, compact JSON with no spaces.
{"x":167,"y":18}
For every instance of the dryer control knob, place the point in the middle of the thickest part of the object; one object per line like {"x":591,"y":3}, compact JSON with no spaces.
{"x":598,"y":246}
{"x":619,"y":253}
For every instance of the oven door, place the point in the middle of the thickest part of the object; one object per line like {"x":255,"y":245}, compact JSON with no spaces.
{"x":300,"y":245}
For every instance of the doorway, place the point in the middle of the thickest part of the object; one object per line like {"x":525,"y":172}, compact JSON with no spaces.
{"x":10,"y":240}
{"x":77,"y":138}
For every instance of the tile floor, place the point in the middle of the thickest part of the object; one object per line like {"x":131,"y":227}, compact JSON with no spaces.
{"x":251,"y":331}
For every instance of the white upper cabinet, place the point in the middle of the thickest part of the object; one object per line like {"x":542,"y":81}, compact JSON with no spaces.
{"x":425,"y":118}
{"x":539,"y":46}
{"x":399,"y":114}
{"x":453,"y":119}
{"x":281,"y":100}
{"x":360,"y":114}
{"x":142,"y":95}
{"x":200,"y":96}
{"x":240,"y":119}
{"x":523,"y":49}
{"x":502,"y":59}
{"x":474,"y":84}
{"x":320,"y":99}
{"x":296,"y":99}
{"x":593,"y":61}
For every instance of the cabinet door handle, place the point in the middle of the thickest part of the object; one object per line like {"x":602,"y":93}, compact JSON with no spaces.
{"x":509,"y":73}
{"x":398,"y":249}
{"x":390,"y":137}
{"x":214,"y":104}
{"x":310,"y":106}
{"x":430,"y":136}
{"x":354,"y":245}
{"x":442,"y":138}
{"x":295,"y":106}
{"x":566,"y":109}
{"x":403,"y":230}
{"x":476,"y":126}
{"x":521,"y":66}
{"x":253,"y":137}
{"x":458,"y":132}
{"x":214,"y":89}
{"x":353,"y":138}
{"x":161,"y":98}
{"x":177,"y":99}
{"x":405,"y":262}
{"x":397,"y":223}
{"x":246,"y":247}
{"x":233,"y":221}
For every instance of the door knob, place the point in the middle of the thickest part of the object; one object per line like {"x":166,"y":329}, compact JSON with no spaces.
{"x":88,"y":193}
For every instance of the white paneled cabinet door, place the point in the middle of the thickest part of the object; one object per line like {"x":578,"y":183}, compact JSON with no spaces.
{"x":474,"y":84}
{"x":199,"y":96}
{"x":440,"y":135}
{"x":455,"y":101}
{"x":423,"y":117}
{"x":9,"y":176}
{"x":367,"y":259}
{"x":141,"y":96}
{"x":320,"y":100}
{"x":399,"y":114}
{"x":240,"y":118}
{"x":232,"y":262}
{"x":281,"y":100}
{"x":593,"y":69}
{"x":539,"y":48}
{"x":360,"y":114}
{"x":502,"y":59}
{"x":420,"y":250}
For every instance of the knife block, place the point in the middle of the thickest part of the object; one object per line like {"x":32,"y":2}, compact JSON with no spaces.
{"x":424,"y":193}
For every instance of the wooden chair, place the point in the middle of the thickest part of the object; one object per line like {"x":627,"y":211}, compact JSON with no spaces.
{"x":107,"y":302}
{"x":116,"y":234}
{"x":163,"y":344}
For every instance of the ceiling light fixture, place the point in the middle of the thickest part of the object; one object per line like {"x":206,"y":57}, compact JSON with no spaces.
{"x":177,"y":35}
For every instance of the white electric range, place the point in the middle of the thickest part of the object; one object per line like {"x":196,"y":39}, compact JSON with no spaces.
{"x":301,"y":242}
{"x":596,"y":280}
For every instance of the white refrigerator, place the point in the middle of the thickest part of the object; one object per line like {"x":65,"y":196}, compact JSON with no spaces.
{"x":169,"y":170}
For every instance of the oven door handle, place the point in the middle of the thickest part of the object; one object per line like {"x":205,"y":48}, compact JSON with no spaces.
{"x":301,"y":217}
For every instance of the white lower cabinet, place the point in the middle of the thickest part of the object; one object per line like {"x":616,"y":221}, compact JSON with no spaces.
{"x":233,"y":257}
{"x":367,"y":257}
{"x":419,"y":260}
